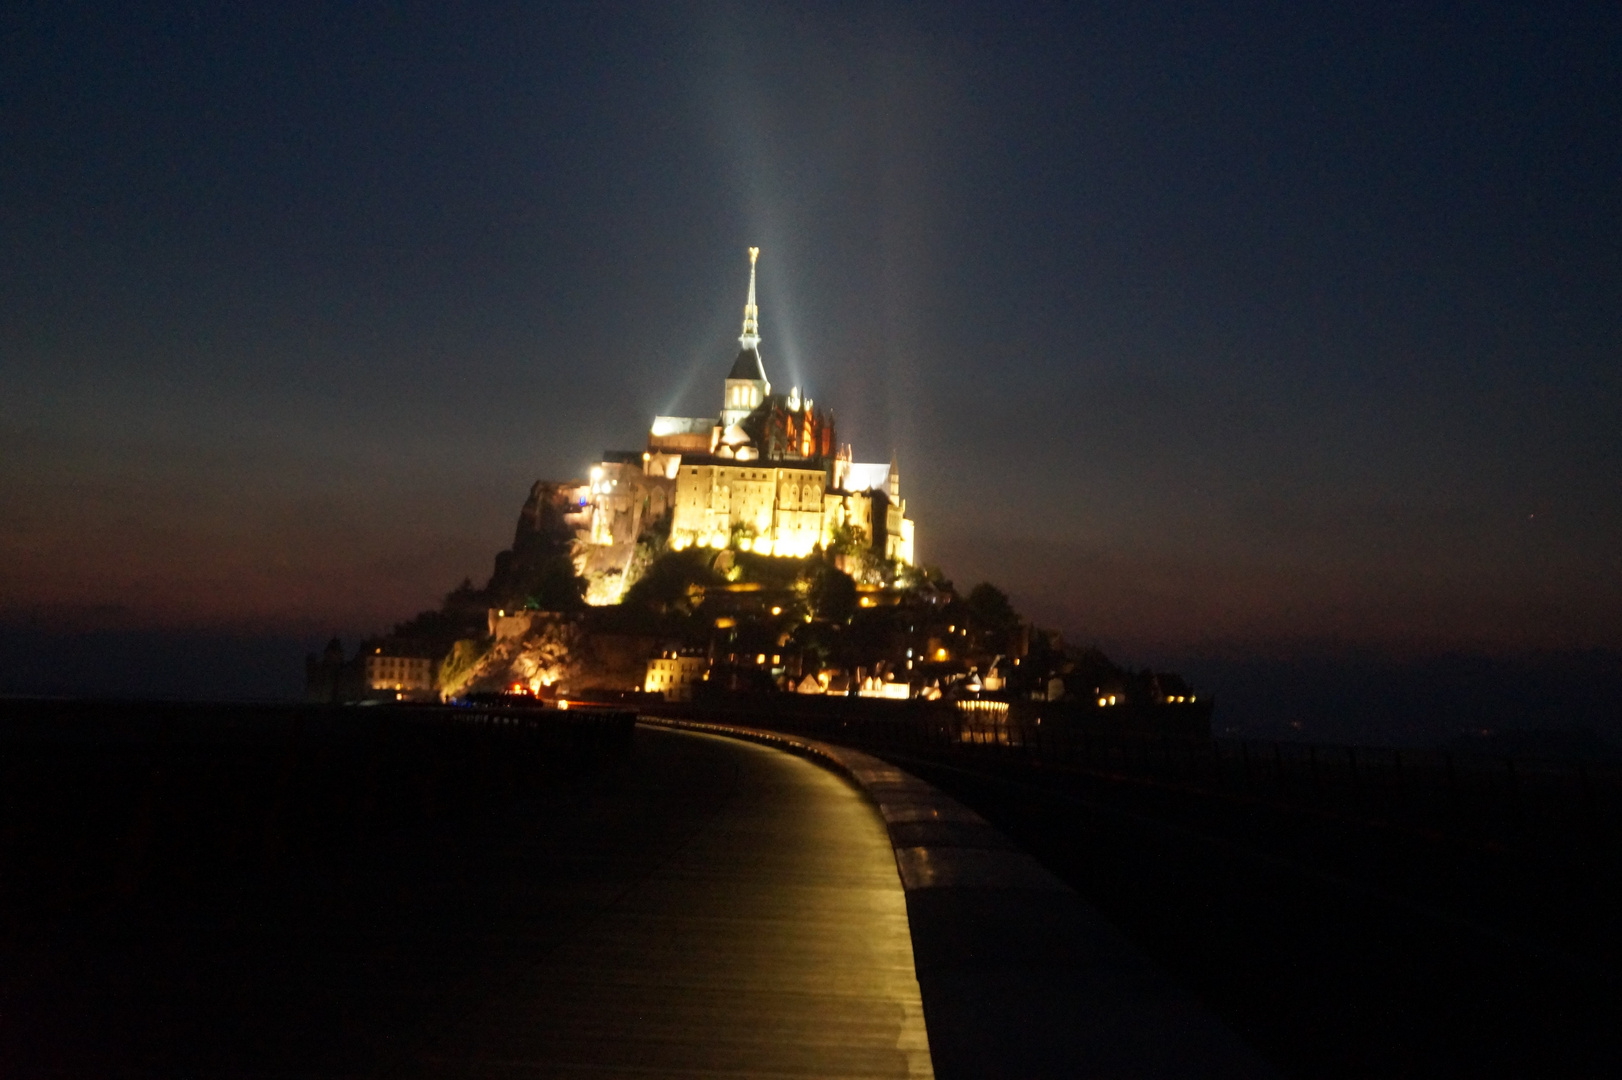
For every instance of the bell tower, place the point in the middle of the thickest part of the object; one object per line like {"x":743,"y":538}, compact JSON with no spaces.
{"x":746,"y":385}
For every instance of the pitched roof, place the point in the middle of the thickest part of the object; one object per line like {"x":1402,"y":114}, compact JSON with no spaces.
{"x":863,"y":476}
{"x":682,"y":425}
{"x":748,"y":366}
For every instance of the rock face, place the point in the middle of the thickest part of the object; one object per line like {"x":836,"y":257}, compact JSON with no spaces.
{"x":556,"y":652}
{"x":538,"y":570}
{"x":554,"y":511}
{"x":604,"y":661}
{"x":629,"y":517}
{"x":530,"y":625}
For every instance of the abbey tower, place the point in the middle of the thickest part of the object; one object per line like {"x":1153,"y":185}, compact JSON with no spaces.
{"x":766,"y":474}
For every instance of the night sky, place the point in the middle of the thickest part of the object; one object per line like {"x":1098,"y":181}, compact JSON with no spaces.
{"x":1230,"y":329}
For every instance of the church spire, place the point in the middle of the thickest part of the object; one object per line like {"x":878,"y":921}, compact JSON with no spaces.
{"x":751,"y":315}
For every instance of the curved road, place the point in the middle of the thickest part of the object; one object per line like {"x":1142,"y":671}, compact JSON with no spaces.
{"x":705,"y":907}
{"x":767,"y":935}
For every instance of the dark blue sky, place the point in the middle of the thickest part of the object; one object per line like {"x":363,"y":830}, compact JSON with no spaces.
{"x":1227,"y":327}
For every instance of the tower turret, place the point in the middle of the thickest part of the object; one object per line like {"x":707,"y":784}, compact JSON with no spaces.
{"x":746,"y":385}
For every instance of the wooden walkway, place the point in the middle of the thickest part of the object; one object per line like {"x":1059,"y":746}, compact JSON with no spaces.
{"x":771,"y":942}
{"x":704,"y":907}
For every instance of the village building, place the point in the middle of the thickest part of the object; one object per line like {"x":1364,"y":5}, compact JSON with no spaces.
{"x":675,"y":675}
{"x":399,"y":678}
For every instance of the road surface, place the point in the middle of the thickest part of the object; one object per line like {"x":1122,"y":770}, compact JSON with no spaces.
{"x":704,"y":907}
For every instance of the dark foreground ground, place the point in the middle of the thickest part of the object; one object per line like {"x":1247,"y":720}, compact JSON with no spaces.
{"x":361,"y":893}
{"x":1335,"y":949}
{"x":690,"y":906}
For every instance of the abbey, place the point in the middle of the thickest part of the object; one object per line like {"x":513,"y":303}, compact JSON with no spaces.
{"x":766,"y":474}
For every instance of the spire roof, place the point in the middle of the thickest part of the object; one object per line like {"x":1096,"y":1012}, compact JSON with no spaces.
{"x":748,"y":366}
{"x":750,"y":338}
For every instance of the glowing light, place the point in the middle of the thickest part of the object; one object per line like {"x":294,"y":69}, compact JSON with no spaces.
{"x":746,"y":544}
{"x":563,"y":705}
{"x":940,"y":654}
{"x":1102,"y":702}
{"x":761,"y":659}
{"x":777,"y":611}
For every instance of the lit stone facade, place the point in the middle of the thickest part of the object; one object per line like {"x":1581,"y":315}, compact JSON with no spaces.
{"x":766,"y":475}
{"x":407,"y":677}
{"x":774,"y":508}
{"x":675,"y":676}
{"x":867,"y":497}
{"x":624,"y":497}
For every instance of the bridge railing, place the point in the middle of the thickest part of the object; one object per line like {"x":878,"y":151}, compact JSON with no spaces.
{"x":1546,"y":805}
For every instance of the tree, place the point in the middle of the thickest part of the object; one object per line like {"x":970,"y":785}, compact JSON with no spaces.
{"x":818,"y":643}
{"x":847,"y":539}
{"x":674,"y":582}
{"x":831,"y":594}
{"x":538,"y":570}
{"x":992,"y":615}
{"x":552,"y":585}
{"x":461,"y":615}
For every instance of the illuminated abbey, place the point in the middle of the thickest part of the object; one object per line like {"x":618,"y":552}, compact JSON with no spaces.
{"x":766,"y":474}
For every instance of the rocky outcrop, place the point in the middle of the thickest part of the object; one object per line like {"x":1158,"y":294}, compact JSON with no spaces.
{"x":553,"y":652}
{"x":539,"y":569}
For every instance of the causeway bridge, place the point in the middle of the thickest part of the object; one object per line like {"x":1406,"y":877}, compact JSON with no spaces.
{"x":277,"y":891}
